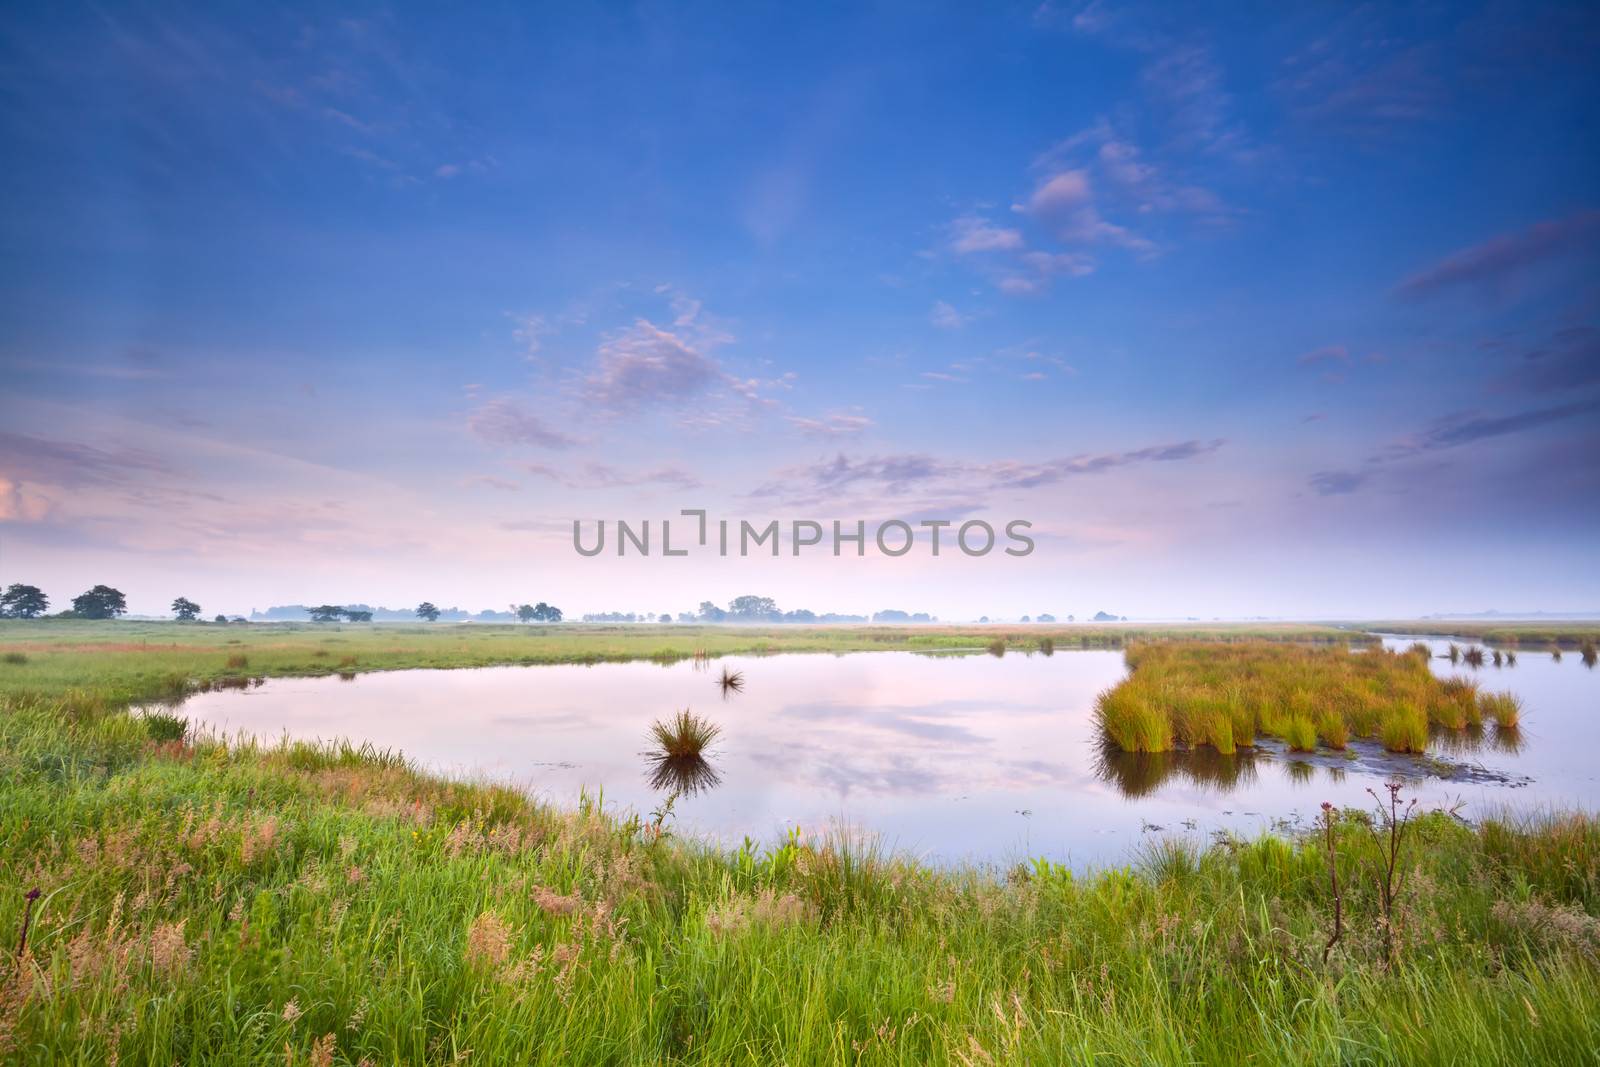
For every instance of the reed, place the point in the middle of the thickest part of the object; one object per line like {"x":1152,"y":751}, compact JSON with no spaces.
{"x":1222,"y":696}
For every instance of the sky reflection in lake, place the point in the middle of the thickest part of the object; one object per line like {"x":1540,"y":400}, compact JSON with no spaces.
{"x":955,"y":758}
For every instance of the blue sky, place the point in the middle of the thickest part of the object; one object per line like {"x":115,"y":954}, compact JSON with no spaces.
{"x":1250,"y":309}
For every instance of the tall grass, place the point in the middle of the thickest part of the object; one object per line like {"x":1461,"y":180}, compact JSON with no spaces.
{"x":327,"y":904}
{"x":1222,"y":696}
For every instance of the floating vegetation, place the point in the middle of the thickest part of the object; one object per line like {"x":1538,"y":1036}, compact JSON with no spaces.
{"x":1221,"y":697}
{"x":678,"y":757}
{"x":731,"y":682}
{"x":685,"y":734}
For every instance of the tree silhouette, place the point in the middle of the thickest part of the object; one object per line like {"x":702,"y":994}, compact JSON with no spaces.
{"x":356,"y":616}
{"x":527,"y":612}
{"x":326,"y":613}
{"x":23,"y":602}
{"x":185,"y":609}
{"x":101,"y":602}
{"x":427,"y":612}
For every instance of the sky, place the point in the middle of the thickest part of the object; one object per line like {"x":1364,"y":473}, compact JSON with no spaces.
{"x":1285,"y":310}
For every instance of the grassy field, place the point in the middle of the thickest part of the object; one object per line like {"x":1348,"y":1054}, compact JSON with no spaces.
{"x":1570,"y":634}
{"x":1221,"y":696}
{"x":196,"y":902}
{"x":119,"y":662}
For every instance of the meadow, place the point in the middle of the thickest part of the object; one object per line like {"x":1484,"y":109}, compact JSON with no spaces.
{"x":1221,"y":696}
{"x":119,"y":662}
{"x":1561,"y":634}
{"x":167,"y":897}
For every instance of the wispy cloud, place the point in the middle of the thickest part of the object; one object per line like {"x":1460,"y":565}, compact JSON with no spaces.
{"x":1495,"y":263}
{"x":600,"y":476}
{"x":646,"y":364}
{"x":1464,"y":428}
{"x":69,"y":464}
{"x":504,"y":422}
{"x":896,"y":474}
{"x":946,"y":317}
{"x":971,"y":234}
{"x":831,"y":425}
{"x":1325,"y":354}
{"x":1338,"y":483}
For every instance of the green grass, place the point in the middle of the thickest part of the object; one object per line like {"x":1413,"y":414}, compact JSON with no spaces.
{"x":326,"y":903}
{"x":1196,"y":694}
{"x":303,"y":903}
{"x":138,"y":661}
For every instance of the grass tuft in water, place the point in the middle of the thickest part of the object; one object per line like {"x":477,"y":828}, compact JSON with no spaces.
{"x":1504,"y":708}
{"x":685,"y":734}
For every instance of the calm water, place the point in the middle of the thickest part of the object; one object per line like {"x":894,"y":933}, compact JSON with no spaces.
{"x":953,"y":758}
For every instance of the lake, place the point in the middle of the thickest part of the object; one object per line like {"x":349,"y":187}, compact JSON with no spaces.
{"x":953,"y":758}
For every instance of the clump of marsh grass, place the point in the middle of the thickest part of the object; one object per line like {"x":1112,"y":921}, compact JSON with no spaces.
{"x":1504,"y":708}
{"x":1047,"y":645}
{"x":1473,"y":656}
{"x":1132,"y":722}
{"x":997,"y":648}
{"x":1586,"y":652}
{"x":731,"y":682}
{"x":1420,"y":648}
{"x":1220,"y":696}
{"x":1555,"y":652}
{"x":238,"y":661}
{"x":1404,"y":728}
{"x":163,"y":727}
{"x":1333,"y":730}
{"x":678,"y":756}
{"x":1454,"y":653}
{"x":684,"y":735}
{"x":1301,"y":735}
{"x":1498,"y":658}
{"x":1511,"y":658}
{"x":15,"y":659}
